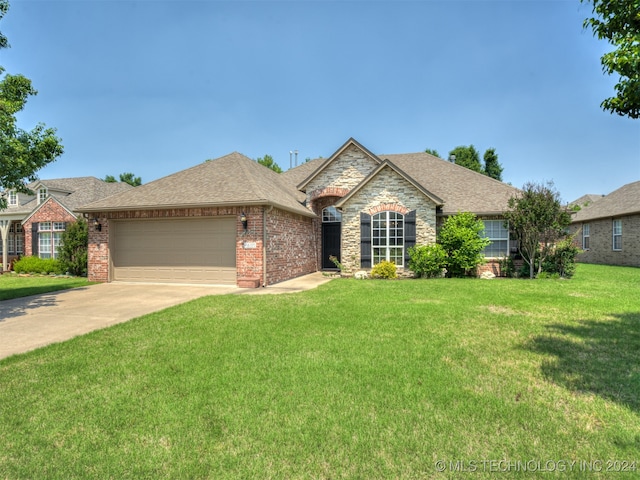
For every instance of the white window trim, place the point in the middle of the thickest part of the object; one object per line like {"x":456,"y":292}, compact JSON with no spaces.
{"x":614,"y":235}
{"x":13,"y":199}
{"x":43,"y":193}
{"x":586,"y":235}
{"x":497,"y":238}
{"x":331,"y":214}
{"x":388,"y":246}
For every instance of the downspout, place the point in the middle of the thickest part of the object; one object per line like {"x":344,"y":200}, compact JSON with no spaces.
{"x":265,"y":211}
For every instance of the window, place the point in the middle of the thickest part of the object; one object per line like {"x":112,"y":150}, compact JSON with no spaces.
{"x":495,"y":231}
{"x":15,"y":242}
{"x":331,"y":214}
{"x":387,"y":237}
{"x":617,"y":234}
{"x":13,"y":198}
{"x":586,"y":233}
{"x":49,"y":238}
{"x":42,"y":195}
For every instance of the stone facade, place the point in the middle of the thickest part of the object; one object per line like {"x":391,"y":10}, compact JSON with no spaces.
{"x":601,"y":242}
{"x":341,"y":175}
{"x":388,"y":191}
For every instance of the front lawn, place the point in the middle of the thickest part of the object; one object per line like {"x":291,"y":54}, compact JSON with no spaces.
{"x":15,"y":286}
{"x":356,"y":379}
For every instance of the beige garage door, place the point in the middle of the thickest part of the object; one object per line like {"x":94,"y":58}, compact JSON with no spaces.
{"x":180,"y":251}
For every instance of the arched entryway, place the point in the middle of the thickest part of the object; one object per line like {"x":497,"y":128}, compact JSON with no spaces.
{"x":331,"y":226}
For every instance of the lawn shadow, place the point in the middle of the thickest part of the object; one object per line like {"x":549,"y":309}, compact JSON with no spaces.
{"x":600,"y":357}
{"x":17,"y":307}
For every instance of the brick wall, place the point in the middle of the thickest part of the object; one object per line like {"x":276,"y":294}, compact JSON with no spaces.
{"x":291,"y":246}
{"x":49,"y":211}
{"x":601,"y":242}
{"x":290,"y":242}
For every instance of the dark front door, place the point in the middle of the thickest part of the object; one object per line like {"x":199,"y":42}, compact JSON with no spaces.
{"x":330,"y":243}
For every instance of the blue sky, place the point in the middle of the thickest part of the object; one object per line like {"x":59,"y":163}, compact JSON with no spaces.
{"x":153,"y":87}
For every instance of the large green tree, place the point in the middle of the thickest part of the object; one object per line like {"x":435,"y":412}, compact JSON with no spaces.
{"x":22,"y":152}
{"x":467,"y":157}
{"x":492,"y":167}
{"x":269,"y":162}
{"x":538,"y":220}
{"x":126,"y":177}
{"x":618,"y":21}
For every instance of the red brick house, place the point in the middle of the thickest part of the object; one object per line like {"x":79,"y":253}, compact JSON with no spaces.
{"x":33,"y":224}
{"x":608,"y":227}
{"x":233,"y":221}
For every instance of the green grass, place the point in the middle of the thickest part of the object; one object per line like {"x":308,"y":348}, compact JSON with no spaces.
{"x":14,"y":286}
{"x":356,"y":379}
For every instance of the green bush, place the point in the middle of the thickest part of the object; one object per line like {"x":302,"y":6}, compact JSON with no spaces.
{"x":73,"y":251}
{"x":427,"y":261}
{"x":562,"y":259}
{"x":461,"y":237}
{"x":384,"y":269}
{"x":44,"y":266}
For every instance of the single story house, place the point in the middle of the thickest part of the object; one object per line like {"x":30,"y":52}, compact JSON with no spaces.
{"x":33,"y":224}
{"x":608,"y":227}
{"x":234,"y":221}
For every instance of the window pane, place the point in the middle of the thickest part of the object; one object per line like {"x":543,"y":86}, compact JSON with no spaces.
{"x":388,"y":237}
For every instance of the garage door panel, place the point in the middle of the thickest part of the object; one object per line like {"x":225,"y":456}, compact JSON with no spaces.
{"x":177,"y":250}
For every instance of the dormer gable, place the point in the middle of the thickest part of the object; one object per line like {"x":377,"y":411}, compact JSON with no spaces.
{"x":341,"y":172}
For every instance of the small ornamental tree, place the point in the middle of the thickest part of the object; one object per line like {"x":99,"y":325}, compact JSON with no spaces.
{"x":73,"y":251}
{"x":461,"y":237}
{"x":538,"y":220}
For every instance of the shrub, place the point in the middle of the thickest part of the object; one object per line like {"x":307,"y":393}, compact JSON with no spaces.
{"x":427,"y":261}
{"x":73,"y":251}
{"x":562,"y":259}
{"x":38,"y":265}
{"x":384,"y":269}
{"x":461,"y":237}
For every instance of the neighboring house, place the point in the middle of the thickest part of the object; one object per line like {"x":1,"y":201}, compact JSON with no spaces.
{"x":33,"y":224}
{"x":608,"y":227}
{"x":234,"y":221}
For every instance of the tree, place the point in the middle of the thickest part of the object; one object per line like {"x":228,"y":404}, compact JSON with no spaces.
{"x":127,"y":177}
{"x":538,"y":220}
{"x":492,"y":167}
{"x":462,"y":239}
{"x":23,"y":152}
{"x":433,"y":152}
{"x":467,"y":157}
{"x":72,"y":252}
{"x":619,"y":23}
{"x":268,"y":162}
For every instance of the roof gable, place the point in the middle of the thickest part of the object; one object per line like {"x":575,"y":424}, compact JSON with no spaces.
{"x":337,"y":154}
{"x":388,"y":164}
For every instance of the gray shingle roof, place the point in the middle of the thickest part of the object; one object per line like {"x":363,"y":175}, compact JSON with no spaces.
{"x":461,"y":189}
{"x":623,"y":201}
{"x":232,"y":180}
{"x":69,"y":192}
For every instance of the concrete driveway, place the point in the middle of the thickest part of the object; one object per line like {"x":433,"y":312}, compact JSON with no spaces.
{"x":31,"y":322}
